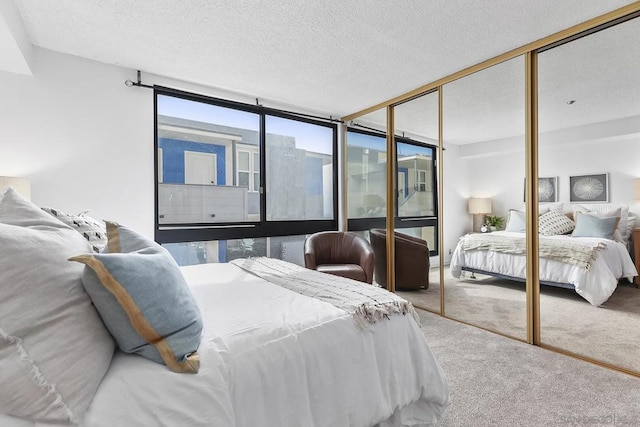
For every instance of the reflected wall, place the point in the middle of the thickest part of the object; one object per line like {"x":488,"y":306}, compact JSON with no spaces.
{"x":483,"y":131}
{"x":589,"y":141}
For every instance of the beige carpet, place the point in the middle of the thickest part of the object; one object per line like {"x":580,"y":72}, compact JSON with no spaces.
{"x":609,"y":333}
{"x":497,"y":381}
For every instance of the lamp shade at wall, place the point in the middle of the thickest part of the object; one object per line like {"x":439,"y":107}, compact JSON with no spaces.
{"x":479,"y":206}
{"x":636,"y":188}
{"x":21,"y":185}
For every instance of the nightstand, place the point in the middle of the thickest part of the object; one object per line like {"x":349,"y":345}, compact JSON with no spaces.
{"x":636,"y":252}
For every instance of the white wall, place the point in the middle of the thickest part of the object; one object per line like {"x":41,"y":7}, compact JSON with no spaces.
{"x":83,"y":138}
{"x":456,"y":191}
{"x":499,"y":174}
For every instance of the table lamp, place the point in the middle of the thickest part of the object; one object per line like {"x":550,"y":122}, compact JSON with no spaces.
{"x":21,"y":185}
{"x":479,"y":207}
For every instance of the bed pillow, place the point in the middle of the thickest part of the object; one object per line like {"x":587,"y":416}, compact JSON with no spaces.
{"x":592,"y":226}
{"x":554,"y":222}
{"x":544,"y":207}
{"x":91,"y":229}
{"x":54,"y":349}
{"x":619,"y":212}
{"x":144,"y":300}
{"x":516,"y":222}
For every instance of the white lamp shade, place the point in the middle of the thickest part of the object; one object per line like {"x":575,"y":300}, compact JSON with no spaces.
{"x":21,"y":185}
{"x":479,"y":206}
{"x":636,"y":188}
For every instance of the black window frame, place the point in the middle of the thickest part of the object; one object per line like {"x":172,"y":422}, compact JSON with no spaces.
{"x":210,"y":231}
{"x":365,"y":224}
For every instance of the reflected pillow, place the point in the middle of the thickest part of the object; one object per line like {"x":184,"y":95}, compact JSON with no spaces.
{"x":516,"y":221}
{"x":621,"y":212}
{"x":144,"y":300}
{"x":544,"y":207}
{"x":553,"y":223}
{"x":592,"y":226}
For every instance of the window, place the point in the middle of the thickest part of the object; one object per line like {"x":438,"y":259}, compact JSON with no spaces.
{"x":300,"y":170}
{"x":248,"y":168}
{"x":210,"y":154}
{"x":416,"y":190}
{"x":287,"y":248}
{"x":366,"y":175}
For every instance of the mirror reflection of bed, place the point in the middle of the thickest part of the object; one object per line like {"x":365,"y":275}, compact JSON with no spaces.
{"x":582,"y":300}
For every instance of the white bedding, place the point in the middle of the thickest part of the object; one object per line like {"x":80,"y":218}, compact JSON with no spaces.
{"x":595,"y":285}
{"x":272,"y":357}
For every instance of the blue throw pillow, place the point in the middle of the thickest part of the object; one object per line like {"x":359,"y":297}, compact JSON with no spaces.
{"x":516,"y":221}
{"x":144,"y":300}
{"x":593,"y":226}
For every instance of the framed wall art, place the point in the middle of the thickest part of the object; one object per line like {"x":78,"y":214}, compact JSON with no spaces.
{"x":589,"y":188}
{"x":547,"y":189}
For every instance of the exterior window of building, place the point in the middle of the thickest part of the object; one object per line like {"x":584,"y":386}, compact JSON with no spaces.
{"x":210,"y":187}
{"x":248,"y":168}
{"x":422,"y":180}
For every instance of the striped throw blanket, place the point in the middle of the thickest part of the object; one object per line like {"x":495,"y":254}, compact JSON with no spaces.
{"x":567,"y":251}
{"x":366,"y":303}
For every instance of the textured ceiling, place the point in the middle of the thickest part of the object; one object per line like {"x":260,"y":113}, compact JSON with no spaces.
{"x":328,"y":56}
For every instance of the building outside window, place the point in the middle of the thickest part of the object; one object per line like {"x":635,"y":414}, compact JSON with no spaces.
{"x":416,"y":190}
{"x":212,"y":200}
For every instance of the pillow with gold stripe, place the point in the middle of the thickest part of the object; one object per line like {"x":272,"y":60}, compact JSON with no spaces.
{"x":144,"y":300}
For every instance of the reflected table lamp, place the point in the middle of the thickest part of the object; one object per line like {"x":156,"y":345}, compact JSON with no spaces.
{"x":21,"y":185}
{"x":478,"y":207}
{"x":636,"y":188}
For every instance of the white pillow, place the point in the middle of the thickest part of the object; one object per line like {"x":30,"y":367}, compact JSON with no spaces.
{"x":608,"y":210}
{"x":553,"y":223}
{"x":516,"y":221}
{"x":51,"y":332}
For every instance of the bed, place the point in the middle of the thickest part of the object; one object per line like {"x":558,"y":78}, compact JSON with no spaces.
{"x":270,"y":353}
{"x":590,"y":265}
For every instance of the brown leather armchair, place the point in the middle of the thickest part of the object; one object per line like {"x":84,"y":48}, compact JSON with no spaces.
{"x":412,"y":260}
{"x":340,"y":253}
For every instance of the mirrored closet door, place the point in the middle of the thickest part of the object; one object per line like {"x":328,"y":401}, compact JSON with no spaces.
{"x":416,"y":225}
{"x":365,"y":178}
{"x":589,"y":159}
{"x":483,"y":192}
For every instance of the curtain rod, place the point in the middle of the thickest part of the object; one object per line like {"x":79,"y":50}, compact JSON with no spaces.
{"x":374,"y":130}
{"x":138,"y":83}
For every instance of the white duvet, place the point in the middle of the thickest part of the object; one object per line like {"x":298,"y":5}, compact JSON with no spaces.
{"x":595,"y":285}
{"x":272,"y":357}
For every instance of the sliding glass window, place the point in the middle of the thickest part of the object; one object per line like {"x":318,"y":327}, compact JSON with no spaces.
{"x":232,"y":171}
{"x":416,"y":189}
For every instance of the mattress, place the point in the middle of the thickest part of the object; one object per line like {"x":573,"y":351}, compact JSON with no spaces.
{"x":595,"y":284}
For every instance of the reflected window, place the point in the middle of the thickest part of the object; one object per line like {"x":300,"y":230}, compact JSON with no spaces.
{"x":366,"y":174}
